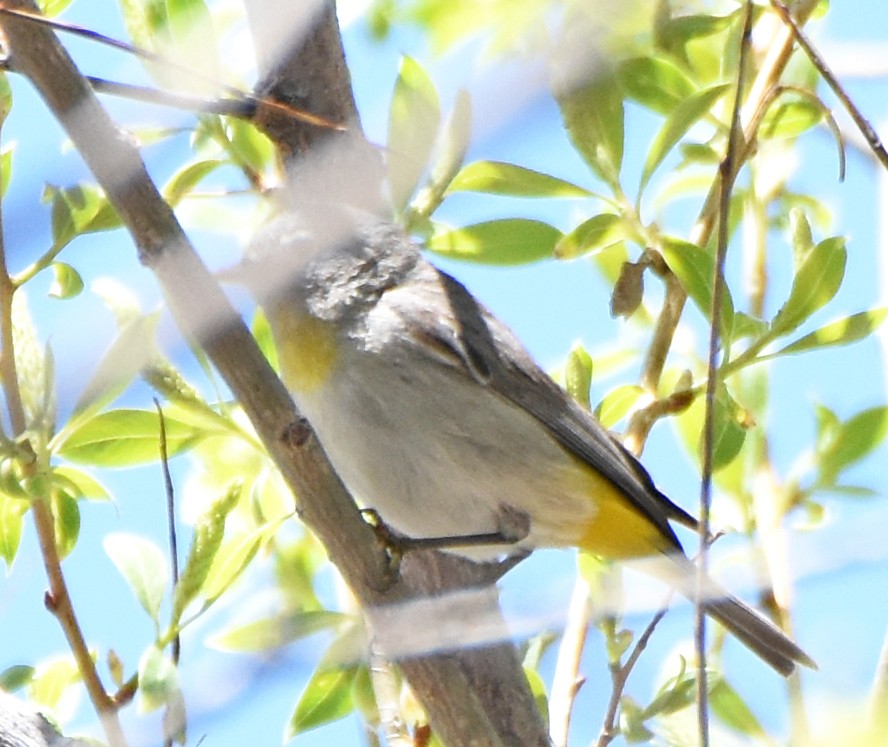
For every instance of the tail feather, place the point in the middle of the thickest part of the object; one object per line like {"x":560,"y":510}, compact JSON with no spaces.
{"x":758,"y":634}
{"x":754,"y":630}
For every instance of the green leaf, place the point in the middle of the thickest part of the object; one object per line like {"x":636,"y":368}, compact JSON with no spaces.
{"x":273,"y":632}
{"x":12,"y":513}
{"x":78,"y":210}
{"x":593,"y":117}
{"x":326,"y":698}
{"x":67,"y":282}
{"x":66,"y":515}
{"x":158,"y":680}
{"x":123,"y":438}
{"x":234,"y":556}
{"x":414,"y":119}
{"x":815,"y":283}
{"x":205,"y":543}
{"x":728,"y":433}
{"x":52,"y":681}
{"x":451,"y":152}
{"x":598,"y":232}
{"x":186,"y":178}
{"x":685,"y":115}
{"x":5,"y":162}
{"x":578,"y":375}
{"x":143,"y":566}
{"x":248,"y":146}
{"x":52,"y":8}
{"x":128,"y":355}
{"x":748,"y":326}
{"x":16,"y":677}
{"x":695,"y":269}
{"x":655,"y":83}
{"x":83,"y":485}
{"x":498,"y":178}
{"x":843,"y":331}
{"x":732,"y":709}
{"x":786,"y":119}
{"x":617,"y":403}
{"x":511,"y":241}
{"x":843,"y":445}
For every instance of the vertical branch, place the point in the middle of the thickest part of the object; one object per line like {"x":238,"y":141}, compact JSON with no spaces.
{"x":728,"y":169}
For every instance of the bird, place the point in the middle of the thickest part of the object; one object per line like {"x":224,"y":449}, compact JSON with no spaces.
{"x":436,"y":417}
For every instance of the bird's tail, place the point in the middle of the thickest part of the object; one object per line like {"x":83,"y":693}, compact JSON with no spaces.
{"x":754,"y":630}
{"x":757,"y":633}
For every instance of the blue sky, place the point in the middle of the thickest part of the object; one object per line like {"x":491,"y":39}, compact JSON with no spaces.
{"x":841,"y":610}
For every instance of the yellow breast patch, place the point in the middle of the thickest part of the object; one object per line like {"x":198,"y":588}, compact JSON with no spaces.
{"x":306,"y":348}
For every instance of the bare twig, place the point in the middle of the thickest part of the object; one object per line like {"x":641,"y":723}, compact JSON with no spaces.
{"x":566,"y":681}
{"x":827,"y":74}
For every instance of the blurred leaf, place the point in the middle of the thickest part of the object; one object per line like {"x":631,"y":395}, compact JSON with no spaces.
{"x":729,"y":435}
{"x":538,"y":690}
{"x":685,"y":115}
{"x":125,"y":358}
{"x":5,"y":163}
{"x":66,"y":514}
{"x":248,"y":146}
{"x":234,"y":556}
{"x":578,"y":375}
{"x":15,"y":677}
{"x":748,"y":326}
{"x":495,"y":177}
{"x":78,"y":210}
{"x":205,"y":543}
{"x":511,"y":241}
{"x":273,"y":632}
{"x":815,"y":283}
{"x":840,"y":332}
{"x":52,"y":681}
{"x":123,"y":438}
{"x":326,"y":698}
{"x":67,"y":282}
{"x":414,"y":118}
{"x":732,"y":709}
{"x":186,"y":178}
{"x":261,"y":331}
{"x":632,"y":718}
{"x":598,"y":232}
{"x":785,"y":119}
{"x":676,"y":694}
{"x":52,"y":8}
{"x":158,"y":680}
{"x":617,"y":403}
{"x":695,"y":269}
{"x":12,"y":513}
{"x":143,"y":566}
{"x":593,"y":117}
{"x":848,"y":442}
{"x":655,"y":83}
{"x":450,"y":154}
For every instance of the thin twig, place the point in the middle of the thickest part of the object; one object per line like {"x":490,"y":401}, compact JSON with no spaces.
{"x":169,"y":490}
{"x":827,"y":74}
{"x":566,"y":681}
{"x":728,"y":170}
{"x":620,"y":675}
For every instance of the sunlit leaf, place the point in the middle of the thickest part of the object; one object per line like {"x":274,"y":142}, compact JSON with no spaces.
{"x":122,"y":438}
{"x":685,"y":115}
{"x":186,"y":178}
{"x":495,"y":177}
{"x":786,"y":119}
{"x":270,"y":633}
{"x":12,"y":513}
{"x":695,"y":269}
{"x":617,"y":403}
{"x":15,"y":677}
{"x":655,"y":82}
{"x":143,"y":566}
{"x":67,"y":282}
{"x":326,"y":698}
{"x":840,"y":332}
{"x":597,"y":232}
{"x":815,"y":283}
{"x":733,"y":710}
{"x":850,"y":442}
{"x":578,"y":374}
{"x":414,"y":118}
{"x":66,"y":514}
{"x":511,"y":241}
